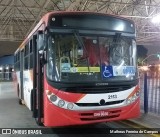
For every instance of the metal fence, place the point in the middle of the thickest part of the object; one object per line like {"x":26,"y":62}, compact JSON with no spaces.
{"x":150,"y":92}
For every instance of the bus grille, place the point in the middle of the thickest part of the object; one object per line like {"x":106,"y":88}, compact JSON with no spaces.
{"x":97,"y":104}
{"x":99,"y":118}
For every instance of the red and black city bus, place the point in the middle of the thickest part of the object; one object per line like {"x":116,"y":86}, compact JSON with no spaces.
{"x":79,"y":68}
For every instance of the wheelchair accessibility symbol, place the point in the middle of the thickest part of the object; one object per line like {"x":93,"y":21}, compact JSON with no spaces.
{"x":107,"y":73}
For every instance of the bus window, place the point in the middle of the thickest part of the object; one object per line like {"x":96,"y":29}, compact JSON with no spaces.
{"x":26,"y":57}
{"x":30,"y":46}
{"x":30,"y":54}
{"x":26,"y":52}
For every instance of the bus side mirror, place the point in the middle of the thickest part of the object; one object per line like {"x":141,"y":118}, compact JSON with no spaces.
{"x":43,"y":56}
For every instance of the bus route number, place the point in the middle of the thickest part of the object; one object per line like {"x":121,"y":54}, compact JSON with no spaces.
{"x":112,"y":96}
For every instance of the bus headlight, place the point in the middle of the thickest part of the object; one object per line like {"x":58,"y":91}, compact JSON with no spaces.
{"x":132,"y":97}
{"x":137,"y":94}
{"x":128,"y":101}
{"x":70,"y":105}
{"x":53,"y":98}
{"x":61,"y":103}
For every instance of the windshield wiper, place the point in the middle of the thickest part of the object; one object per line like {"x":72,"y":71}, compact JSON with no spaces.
{"x":76,"y":34}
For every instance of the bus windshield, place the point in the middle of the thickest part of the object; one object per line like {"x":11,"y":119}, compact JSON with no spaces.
{"x":81,"y":58}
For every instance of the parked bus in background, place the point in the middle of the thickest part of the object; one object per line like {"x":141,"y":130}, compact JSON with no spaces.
{"x":79,"y":68}
{"x":1,"y":72}
{"x":6,"y":72}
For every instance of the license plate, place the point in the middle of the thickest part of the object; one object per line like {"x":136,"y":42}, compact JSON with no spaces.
{"x":100,"y":114}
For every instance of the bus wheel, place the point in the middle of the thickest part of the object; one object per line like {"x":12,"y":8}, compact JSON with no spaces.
{"x":39,"y":123}
{"x":20,"y":102}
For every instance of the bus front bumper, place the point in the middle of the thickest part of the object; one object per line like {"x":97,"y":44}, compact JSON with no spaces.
{"x":55,"y":116}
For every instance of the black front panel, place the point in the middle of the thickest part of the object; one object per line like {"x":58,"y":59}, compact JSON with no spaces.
{"x":92,"y":21}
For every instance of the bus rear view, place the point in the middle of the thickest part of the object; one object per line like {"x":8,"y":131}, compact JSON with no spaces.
{"x":88,"y":70}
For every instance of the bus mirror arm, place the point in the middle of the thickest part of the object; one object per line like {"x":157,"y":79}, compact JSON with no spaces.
{"x":43,"y":56}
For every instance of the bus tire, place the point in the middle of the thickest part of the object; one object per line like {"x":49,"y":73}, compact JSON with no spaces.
{"x":20,"y":101}
{"x":38,"y":122}
{"x":31,"y":100}
{"x":18,"y":90}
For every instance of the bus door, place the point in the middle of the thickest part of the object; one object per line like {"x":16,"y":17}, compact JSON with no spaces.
{"x":37,"y":92}
{"x":21,"y":94}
